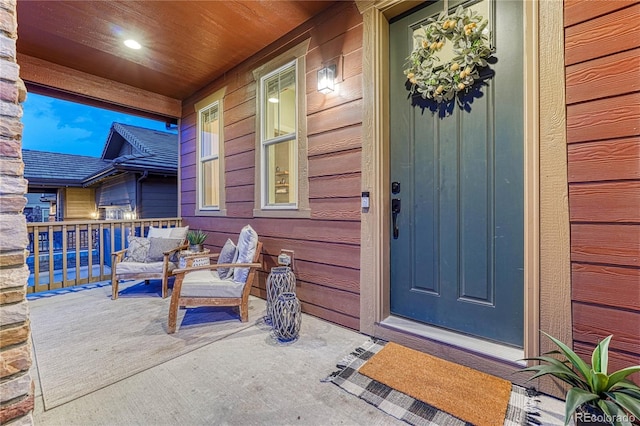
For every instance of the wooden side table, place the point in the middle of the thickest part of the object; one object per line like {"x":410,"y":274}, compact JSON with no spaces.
{"x":197,"y":260}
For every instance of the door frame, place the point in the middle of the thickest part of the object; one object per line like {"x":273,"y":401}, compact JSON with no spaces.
{"x":547,"y":264}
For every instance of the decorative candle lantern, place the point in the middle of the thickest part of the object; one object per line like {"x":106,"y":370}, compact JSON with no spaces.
{"x":286,"y":317}
{"x":280,"y":280}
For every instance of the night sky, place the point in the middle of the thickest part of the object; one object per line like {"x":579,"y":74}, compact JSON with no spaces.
{"x":55,"y":125}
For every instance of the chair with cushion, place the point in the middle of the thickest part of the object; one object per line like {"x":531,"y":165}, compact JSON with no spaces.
{"x":153,"y":257}
{"x":225,"y":283}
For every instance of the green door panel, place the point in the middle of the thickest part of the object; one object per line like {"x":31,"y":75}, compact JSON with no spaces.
{"x":458,"y":260}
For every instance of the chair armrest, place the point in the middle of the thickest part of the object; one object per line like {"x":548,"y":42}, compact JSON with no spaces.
{"x":216,"y":266}
{"x":116,"y":256}
{"x":201,"y":255}
{"x":175,"y":249}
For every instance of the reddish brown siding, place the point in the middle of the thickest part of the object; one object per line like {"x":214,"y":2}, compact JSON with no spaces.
{"x":603,"y":134}
{"x":327,"y":246}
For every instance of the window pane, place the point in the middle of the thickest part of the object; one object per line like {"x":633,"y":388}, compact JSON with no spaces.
{"x":209,"y":132}
{"x":281,"y":175}
{"x":280,"y":103}
{"x":210,"y":183}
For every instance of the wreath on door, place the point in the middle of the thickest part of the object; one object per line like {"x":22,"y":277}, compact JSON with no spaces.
{"x":428,"y":76}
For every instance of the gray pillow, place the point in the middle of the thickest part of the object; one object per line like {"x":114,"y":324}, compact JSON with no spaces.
{"x":157,"y":247}
{"x":247,"y":243}
{"x":227,"y":255}
{"x":137,"y":249}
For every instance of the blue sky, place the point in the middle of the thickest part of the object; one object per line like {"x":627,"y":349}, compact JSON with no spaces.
{"x":55,"y":125}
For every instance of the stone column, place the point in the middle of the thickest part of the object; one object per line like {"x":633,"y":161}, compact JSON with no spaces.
{"x":16,"y":386}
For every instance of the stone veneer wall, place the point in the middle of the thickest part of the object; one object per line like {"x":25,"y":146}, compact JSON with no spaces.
{"x":16,"y":386}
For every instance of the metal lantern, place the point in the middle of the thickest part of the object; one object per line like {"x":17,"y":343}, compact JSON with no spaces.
{"x":286,"y":317}
{"x":280,"y":280}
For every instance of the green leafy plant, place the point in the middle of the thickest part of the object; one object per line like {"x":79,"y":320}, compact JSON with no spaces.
{"x":434,"y":79}
{"x":613,"y":394}
{"x":196,"y":237}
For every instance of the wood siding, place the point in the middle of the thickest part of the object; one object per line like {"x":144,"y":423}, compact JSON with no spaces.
{"x":603,"y":134}
{"x":117,"y":191}
{"x":158,"y":197}
{"x":326,"y":245}
{"x":80,"y":203}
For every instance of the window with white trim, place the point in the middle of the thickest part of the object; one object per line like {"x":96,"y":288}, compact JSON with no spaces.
{"x":282,"y":188}
{"x":278,"y":141}
{"x":209,"y":155}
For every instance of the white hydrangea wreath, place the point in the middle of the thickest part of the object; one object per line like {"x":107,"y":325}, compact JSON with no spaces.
{"x":431,"y":79}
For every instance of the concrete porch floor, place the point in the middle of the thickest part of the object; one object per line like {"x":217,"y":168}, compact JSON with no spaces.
{"x":246,"y":378}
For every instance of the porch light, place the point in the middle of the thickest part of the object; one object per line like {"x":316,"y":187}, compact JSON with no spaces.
{"x":326,"y":76}
{"x":132,"y":44}
{"x":273,"y":100}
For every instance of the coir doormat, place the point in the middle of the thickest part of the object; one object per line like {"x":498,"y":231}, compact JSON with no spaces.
{"x":424,"y":390}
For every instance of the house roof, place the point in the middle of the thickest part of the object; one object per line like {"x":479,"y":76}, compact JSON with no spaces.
{"x":43,"y":168}
{"x":127,"y":149}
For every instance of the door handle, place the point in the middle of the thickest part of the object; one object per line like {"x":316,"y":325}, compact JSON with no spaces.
{"x":395,"y":210}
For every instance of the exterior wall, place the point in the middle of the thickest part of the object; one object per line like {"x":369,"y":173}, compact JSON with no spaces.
{"x":327,"y":245}
{"x":16,"y":385}
{"x":159,"y":198}
{"x":117,"y":191}
{"x":79,"y":203}
{"x":602,"y":52}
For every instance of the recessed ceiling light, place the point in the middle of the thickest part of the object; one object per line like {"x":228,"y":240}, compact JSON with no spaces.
{"x":273,"y":100}
{"x":132,"y":44}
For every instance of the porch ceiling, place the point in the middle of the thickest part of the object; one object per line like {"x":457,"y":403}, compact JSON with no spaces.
{"x":186,"y":44}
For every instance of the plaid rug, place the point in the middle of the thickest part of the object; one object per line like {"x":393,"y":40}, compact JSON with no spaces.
{"x":520,"y":411}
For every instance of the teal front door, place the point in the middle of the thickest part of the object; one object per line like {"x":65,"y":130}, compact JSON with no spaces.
{"x":457,"y":255}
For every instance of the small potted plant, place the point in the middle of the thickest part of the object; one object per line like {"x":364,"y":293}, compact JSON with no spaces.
{"x":196,"y":239}
{"x":595,"y":397}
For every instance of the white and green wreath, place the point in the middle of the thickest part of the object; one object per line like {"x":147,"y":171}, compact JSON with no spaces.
{"x":431,"y":79}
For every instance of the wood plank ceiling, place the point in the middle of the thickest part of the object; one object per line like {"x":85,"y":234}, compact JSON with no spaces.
{"x":186,"y":44}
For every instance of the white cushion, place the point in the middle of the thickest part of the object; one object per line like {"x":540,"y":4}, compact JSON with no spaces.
{"x":142,"y":268}
{"x":247,"y":243}
{"x":159,"y":232}
{"x":208,"y":284}
{"x":179,"y":232}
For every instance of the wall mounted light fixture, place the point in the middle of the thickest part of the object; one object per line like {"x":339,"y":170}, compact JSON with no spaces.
{"x":326,"y":79}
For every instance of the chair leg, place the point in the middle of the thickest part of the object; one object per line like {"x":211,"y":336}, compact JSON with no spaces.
{"x":244,"y":311}
{"x":114,"y":289}
{"x":165,"y":286}
{"x":173,"y":305}
{"x":173,"y":315}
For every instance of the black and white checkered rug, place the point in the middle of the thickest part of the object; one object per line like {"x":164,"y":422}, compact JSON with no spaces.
{"x":520,"y":411}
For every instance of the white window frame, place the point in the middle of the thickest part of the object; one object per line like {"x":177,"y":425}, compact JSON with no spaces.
{"x":266,"y":143}
{"x":300,"y":208}
{"x":216,"y":98}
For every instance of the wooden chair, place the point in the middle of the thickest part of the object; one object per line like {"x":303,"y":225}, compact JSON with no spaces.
{"x":201,"y":286}
{"x":150,"y":257}
{"x":139,"y":270}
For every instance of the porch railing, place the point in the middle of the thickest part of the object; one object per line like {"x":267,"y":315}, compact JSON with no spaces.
{"x":70,"y":253}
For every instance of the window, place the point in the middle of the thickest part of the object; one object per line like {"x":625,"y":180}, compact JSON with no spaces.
{"x":281,"y":144}
{"x":210,"y":158}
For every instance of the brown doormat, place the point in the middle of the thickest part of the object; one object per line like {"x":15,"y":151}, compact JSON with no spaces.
{"x":463,"y":392}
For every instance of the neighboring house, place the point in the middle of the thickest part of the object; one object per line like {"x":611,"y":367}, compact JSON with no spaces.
{"x":56,"y":185}
{"x":518,"y":215}
{"x":134,"y":177}
{"x":140,"y":178}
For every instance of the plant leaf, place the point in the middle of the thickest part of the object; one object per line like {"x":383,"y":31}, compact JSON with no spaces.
{"x":580,"y":365}
{"x":600,"y":382}
{"x":622,"y":374}
{"x":600,"y":356}
{"x":627,"y":402}
{"x":575,"y":398}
